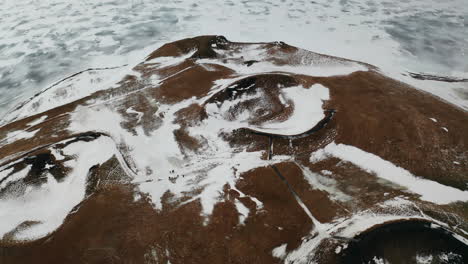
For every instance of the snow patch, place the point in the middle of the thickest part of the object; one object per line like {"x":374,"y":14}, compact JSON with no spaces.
{"x":166,"y":61}
{"x":242,"y":210}
{"x":37,"y":121}
{"x":378,"y":260}
{"x":424,"y":259}
{"x":139,"y":115}
{"x":280,"y":252}
{"x":338,"y":250}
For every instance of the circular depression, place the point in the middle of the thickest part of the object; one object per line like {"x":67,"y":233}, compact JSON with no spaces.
{"x":402,"y":242}
{"x":271,"y":104}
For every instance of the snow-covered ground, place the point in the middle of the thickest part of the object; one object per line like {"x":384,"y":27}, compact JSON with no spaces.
{"x":42,"y":41}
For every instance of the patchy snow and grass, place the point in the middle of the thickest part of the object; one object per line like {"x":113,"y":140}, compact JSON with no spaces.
{"x":46,"y":206}
{"x":429,"y":190}
{"x":5,"y":172}
{"x":69,"y":90}
{"x":160,"y":164}
{"x":12,"y":178}
{"x":325,"y":184}
{"x":304,"y":63}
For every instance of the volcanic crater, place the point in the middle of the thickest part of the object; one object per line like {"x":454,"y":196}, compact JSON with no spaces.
{"x":212,"y":151}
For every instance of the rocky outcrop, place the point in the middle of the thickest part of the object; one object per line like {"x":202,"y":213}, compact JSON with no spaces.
{"x":212,"y":151}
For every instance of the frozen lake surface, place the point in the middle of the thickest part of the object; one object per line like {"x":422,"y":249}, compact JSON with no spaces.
{"x":42,"y":41}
